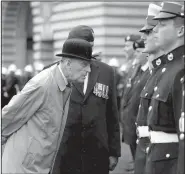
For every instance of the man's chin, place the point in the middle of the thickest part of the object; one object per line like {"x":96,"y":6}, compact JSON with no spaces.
{"x":79,"y":80}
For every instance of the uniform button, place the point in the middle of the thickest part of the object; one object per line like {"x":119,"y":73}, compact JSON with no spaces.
{"x":182,"y":79}
{"x":94,"y":165}
{"x":137,"y":141}
{"x":157,"y":96}
{"x":144,"y":87}
{"x":146,"y":94}
{"x":182,"y":114}
{"x":139,"y":106}
{"x":158,"y":62}
{"x":163,"y":70}
{"x":150,"y":108}
{"x":181,"y":136}
{"x":83,"y":150}
{"x":170,"y":57}
{"x":167,"y":155}
{"x":155,"y":89}
{"x":147,"y":149}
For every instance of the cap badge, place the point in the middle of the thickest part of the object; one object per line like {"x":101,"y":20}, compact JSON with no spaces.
{"x":158,"y":62}
{"x":128,"y":37}
{"x":181,"y":122}
{"x":170,"y":57}
{"x":182,"y":80}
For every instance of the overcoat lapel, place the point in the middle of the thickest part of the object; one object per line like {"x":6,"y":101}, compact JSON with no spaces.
{"x":93,"y":76}
{"x":79,"y":87}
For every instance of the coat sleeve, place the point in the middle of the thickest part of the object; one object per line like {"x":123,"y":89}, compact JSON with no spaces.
{"x":178,"y":103}
{"x":177,"y":98}
{"x":113,"y":128}
{"x":21,"y":108}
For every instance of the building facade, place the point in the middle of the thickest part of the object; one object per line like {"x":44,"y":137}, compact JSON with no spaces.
{"x":33,"y":32}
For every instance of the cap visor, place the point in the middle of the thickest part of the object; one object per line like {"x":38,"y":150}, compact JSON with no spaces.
{"x":146,"y":27}
{"x":73,"y":56}
{"x":163,"y":15}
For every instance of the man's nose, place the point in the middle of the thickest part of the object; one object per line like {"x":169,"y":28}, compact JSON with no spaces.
{"x":143,"y":37}
{"x":155,"y":29}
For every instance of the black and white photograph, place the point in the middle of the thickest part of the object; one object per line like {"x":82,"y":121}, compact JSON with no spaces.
{"x":92,"y":87}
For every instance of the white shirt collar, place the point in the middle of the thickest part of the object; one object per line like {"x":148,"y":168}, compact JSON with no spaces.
{"x":65,"y":80}
{"x":85,"y":83}
{"x":145,"y":66}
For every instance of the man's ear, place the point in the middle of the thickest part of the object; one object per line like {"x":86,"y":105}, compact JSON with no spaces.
{"x":181,"y":31}
{"x":68,"y":62}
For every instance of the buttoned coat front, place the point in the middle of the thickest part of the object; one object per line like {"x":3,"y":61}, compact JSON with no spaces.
{"x":92,"y":130}
{"x":33,"y":124}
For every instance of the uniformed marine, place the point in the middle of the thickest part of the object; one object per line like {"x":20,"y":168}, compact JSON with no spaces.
{"x":162,"y":116}
{"x":141,"y":121}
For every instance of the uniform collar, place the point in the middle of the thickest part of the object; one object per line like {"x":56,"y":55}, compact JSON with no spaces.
{"x":177,"y":53}
{"x":160,"y":61}
{"x":145,"y":66}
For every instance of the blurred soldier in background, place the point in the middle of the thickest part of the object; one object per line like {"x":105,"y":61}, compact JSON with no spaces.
{"x":141,"y":121}
{"x":129,"y":49}
{"x":130,"y":63}
{"x":163,"y":112}
{"x":131,"y":99}
{"x":19,"y":76}
{"x":115,"y":64}
{"x":28,"y":74}
{"x":11,"y":82}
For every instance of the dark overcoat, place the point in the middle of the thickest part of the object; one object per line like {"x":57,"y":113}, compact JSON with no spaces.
{"x":92,"y":131}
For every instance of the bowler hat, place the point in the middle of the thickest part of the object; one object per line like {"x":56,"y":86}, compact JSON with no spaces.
{"x":82,"y":32}
{"x":170,"y":10}
{"x":153,"y":10}
{"x":76,"y":49}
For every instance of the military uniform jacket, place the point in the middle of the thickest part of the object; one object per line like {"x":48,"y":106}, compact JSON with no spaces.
{"x":145,"y":99}
{"x":131,"y":109}
{"x":92,"y":129}
{"x":165,"y":103}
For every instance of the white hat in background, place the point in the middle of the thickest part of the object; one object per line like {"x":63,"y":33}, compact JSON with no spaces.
{"x":123,"y":67}
{"x":113,"y":62}
{"x":12,"y":68}
{"x":4,"y":71}
{"x":38,"y":66}
{"x":18,"y":72}
{"x":153,"y":9}
{"x":28,"y":68}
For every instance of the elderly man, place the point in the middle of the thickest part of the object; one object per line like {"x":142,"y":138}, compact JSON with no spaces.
{"x":34,"y":120}
{"x":91,"y":141}
{"x":163,"y":110}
